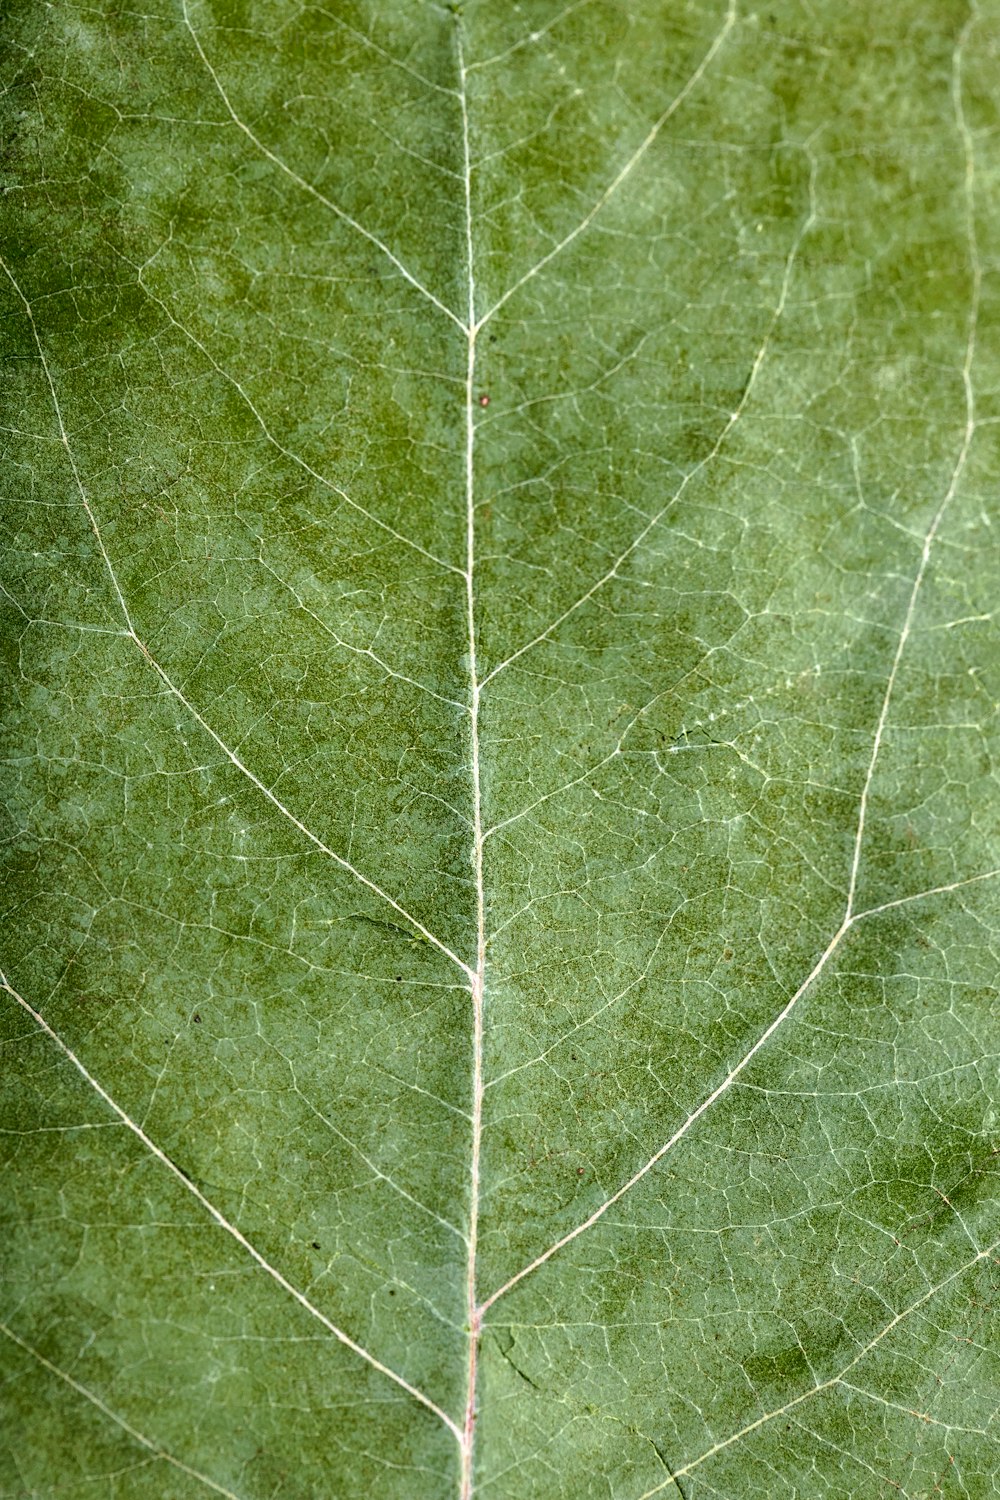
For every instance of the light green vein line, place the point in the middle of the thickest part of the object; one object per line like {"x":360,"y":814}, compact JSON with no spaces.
{"x":823,"y":1385}
{"x":626,"y":171}
{"x":307,"y":187}
{"x":153,"y":1447}
{"x":270,"y":437}
{"x":171,"y":686}
{"x":221,"y":1220}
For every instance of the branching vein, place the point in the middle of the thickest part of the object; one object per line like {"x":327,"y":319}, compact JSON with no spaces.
{"x":471,"y":323}
{"x":276,"y":442}
{"x":156,"y":1449}
{"x":306,"y":186}
{"x":172,"y":687}
{"x":834,"y":1380}
{"x":629,"y":167}
{"x":220,"y":1218}
{"x":731,"y":421}
{"x":850,"y":916}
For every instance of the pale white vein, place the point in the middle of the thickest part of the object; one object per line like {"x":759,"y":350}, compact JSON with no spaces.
{"x":171,"y":686}
{"x":471,"y":327}
{"x":275,"y":442}
{"x":475,"y":689}
{"x":959,"y":467}
{"x":829,"y":1384}
{"x":308,"y":187}
{"x":627,"y":170}
{"x":377,"y":1171}
{"x":935,"y":890}
{"x":156,"y":1449}
{"x":850,"y":917}
{"x":731,"y":421}
{"x":386,"y":56}
{"x":220,"y":1218}
{"x":529,"y":39}
{"x":681,"y":1130}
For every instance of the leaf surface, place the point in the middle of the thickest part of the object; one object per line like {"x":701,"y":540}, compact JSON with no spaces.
{"x":499,"y":966}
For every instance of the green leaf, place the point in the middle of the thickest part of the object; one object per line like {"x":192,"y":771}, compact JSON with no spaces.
{"x":501,"y":910}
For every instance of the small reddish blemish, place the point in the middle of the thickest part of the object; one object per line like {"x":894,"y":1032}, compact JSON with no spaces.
{"x":484,"y":400}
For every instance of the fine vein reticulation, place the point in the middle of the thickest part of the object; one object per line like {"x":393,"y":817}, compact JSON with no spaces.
{"x":468,"y":325}
{"x":219,"y":1217}
{"x":473,"y":327}
{"x":155,"y":1449}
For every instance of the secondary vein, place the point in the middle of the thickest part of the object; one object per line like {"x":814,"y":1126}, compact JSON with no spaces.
{"x":155,"y":1448}
{"x":850,"y":916}
{"x":220,"y":1219}
{"x":172,"y":687}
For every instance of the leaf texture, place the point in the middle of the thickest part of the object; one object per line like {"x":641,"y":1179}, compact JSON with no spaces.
{"x":500,"y":941}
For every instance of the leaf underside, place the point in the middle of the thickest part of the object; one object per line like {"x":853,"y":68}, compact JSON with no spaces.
{"x":500,"y":938}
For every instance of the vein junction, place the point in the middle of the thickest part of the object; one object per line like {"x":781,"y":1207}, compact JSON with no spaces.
{"x":475,"y":972}
{"x":851,"y":915}
{"x":220,"y":1219}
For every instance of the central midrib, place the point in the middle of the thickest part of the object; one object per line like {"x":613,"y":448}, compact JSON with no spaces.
{"x":473,"y":1315}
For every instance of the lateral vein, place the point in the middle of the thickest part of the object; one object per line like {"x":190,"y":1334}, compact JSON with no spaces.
{"x":171,"y":686}
{"x":157,"y":1449}
{"x":221,"y":1220}
{"x":627,"y":169}
{"x":276,"y":442}
{"x":834,"y":1380}
{"x":306,"y":186}
{"x":850,"y":916}
{"x":727,"y":428}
